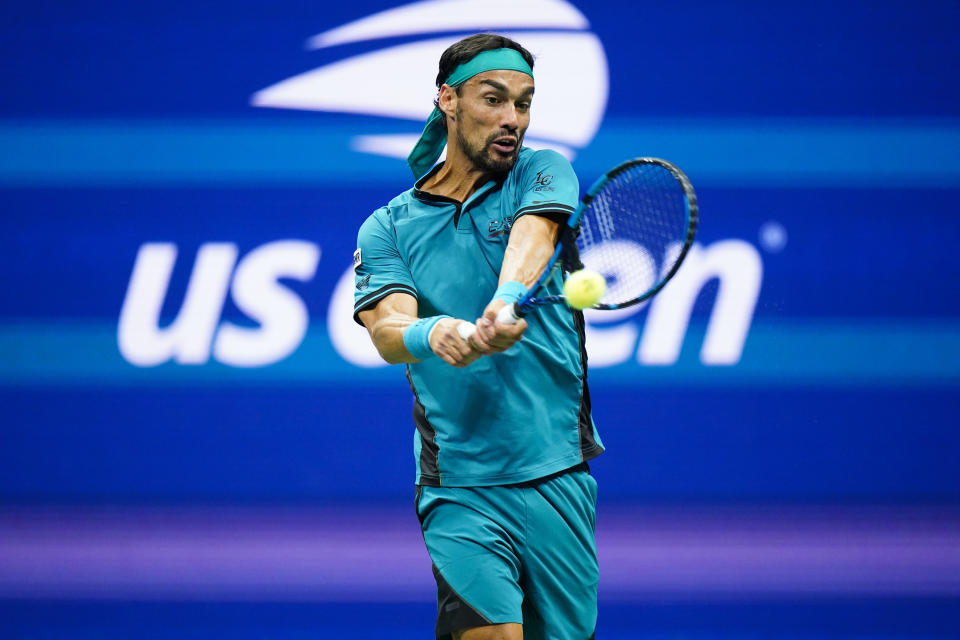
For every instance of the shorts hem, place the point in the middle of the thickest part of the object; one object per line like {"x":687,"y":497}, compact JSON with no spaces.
{"x":516,"y":477}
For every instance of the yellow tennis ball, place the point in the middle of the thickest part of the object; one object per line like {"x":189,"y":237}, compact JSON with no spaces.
{"x":584,"y":288}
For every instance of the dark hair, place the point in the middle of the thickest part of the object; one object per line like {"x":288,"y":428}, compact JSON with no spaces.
{"x":464,"y":50}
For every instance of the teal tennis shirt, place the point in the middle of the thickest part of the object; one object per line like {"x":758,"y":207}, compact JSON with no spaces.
{"x":506,"y":418}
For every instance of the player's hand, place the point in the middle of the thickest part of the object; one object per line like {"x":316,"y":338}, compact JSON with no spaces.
{"x":446,"y":342}
{"x":493,"y":336}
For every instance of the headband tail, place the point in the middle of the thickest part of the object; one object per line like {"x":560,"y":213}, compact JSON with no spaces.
{"x":429,"y":146}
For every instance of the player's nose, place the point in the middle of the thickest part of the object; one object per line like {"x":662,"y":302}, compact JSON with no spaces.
{"x":509,"y":118}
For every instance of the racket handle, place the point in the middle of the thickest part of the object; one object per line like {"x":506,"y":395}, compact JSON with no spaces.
{"x":507,"y":315}
{"x":466,"y":329}
{"x":510,"y":314}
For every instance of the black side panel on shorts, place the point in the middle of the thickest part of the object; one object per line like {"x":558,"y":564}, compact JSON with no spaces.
{"x":429,"y":452}
{"x":453,"y":612}
{"x":589,"y":448}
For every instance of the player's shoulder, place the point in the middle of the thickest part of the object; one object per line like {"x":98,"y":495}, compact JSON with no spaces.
{"x":533,"y":164}
{"x":386,"y":215}
{"x":539,"y":159}
{"x":535,"y":169}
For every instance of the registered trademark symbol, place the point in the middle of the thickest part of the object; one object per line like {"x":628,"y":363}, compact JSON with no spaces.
{"x":773,"y":236}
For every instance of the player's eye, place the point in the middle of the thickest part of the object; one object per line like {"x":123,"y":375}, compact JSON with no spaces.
{"x":492,"y":100}
{"x":523,"y":106}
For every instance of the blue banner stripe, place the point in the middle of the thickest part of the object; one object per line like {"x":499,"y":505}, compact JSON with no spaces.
{"x":717,"y":152}
{"x":776,"y":354}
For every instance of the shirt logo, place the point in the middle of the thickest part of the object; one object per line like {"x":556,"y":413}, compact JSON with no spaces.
{"x":500,"y":227}
{"x":568,"y":112}
{"x":543,"y":182}
{"x":356,"y":259}
{"x":363,"y":282}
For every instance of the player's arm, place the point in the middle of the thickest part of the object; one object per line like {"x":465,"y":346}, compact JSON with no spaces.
{"x":550,"y":194}
{"x":395,"y":314}
{"x":532,"y":241}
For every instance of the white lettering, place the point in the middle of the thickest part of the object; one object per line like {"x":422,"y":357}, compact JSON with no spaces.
{"x":187,"y":339}
{"x":613,"y":336}
{"x":281,"y":313}
{"x":609,"y":346}
{"x":739,"y":268}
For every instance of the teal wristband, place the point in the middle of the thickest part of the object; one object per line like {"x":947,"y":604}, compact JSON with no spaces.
{"x":510,"y":292}
{"x":416,"y":337}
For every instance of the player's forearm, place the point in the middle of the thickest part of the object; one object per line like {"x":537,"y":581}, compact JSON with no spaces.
{"x":532,"y":241}
{"x":387,"y":336}
{"x":403,"y":339}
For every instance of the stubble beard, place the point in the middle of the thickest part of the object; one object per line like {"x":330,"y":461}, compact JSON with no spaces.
{"x":483,"y":157}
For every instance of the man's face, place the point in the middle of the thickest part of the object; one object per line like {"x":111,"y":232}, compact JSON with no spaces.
{"x":492,"y":115}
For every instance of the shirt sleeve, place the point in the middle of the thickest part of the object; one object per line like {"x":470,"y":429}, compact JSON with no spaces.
{"x":378,"y":267}
{"x":549,"y":187}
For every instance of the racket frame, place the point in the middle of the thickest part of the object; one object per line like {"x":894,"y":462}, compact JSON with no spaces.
{"x":522,"y":306}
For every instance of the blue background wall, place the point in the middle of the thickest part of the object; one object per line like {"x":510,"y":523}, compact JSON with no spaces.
{"x":835,"y":128}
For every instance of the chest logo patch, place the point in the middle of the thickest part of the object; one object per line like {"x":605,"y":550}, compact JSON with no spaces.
{"x":500,"y":227}
{"x":356,"y":259}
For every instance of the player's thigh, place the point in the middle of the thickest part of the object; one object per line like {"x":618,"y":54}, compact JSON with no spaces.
{"x":561,"y":559}
{"x":470,"y":534}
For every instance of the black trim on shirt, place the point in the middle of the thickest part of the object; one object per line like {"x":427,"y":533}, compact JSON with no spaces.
{"x":589,"y":448}
{"x":416,"y":185}
{"x":371,"y":299}
{"x":427,"y":196}
{"x":560,"y":217}
{"x":558,"y":206}
{"x":550,"y":210}
{"x":429,"y":451}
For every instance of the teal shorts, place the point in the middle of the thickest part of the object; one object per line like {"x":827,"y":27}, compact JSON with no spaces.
{"x":520,"y":553}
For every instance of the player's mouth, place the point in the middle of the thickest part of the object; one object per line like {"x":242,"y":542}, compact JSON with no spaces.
{"x":505,"y":145}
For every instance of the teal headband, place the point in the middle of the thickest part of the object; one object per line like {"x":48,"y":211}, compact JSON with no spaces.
{"x":434,"y":136}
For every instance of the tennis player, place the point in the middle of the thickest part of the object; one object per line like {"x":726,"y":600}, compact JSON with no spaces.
{"x":504,"y":496}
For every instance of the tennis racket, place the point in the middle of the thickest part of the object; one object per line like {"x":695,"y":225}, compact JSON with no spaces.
{"x":634,"y":226}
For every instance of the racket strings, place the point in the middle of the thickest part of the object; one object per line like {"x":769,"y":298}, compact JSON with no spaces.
{"x":631,"y":230}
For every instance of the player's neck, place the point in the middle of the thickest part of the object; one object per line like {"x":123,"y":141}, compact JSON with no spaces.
{"x":458,"y":178}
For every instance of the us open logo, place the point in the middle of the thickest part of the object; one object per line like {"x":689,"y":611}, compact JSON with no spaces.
{"x":566,"y":112}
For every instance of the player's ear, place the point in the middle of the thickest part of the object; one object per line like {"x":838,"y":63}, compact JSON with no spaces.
{"x":447,"y":101}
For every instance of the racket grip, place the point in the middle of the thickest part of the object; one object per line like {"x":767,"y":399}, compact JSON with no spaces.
{"x":509,"y":314}
{"x":466,"y":329}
